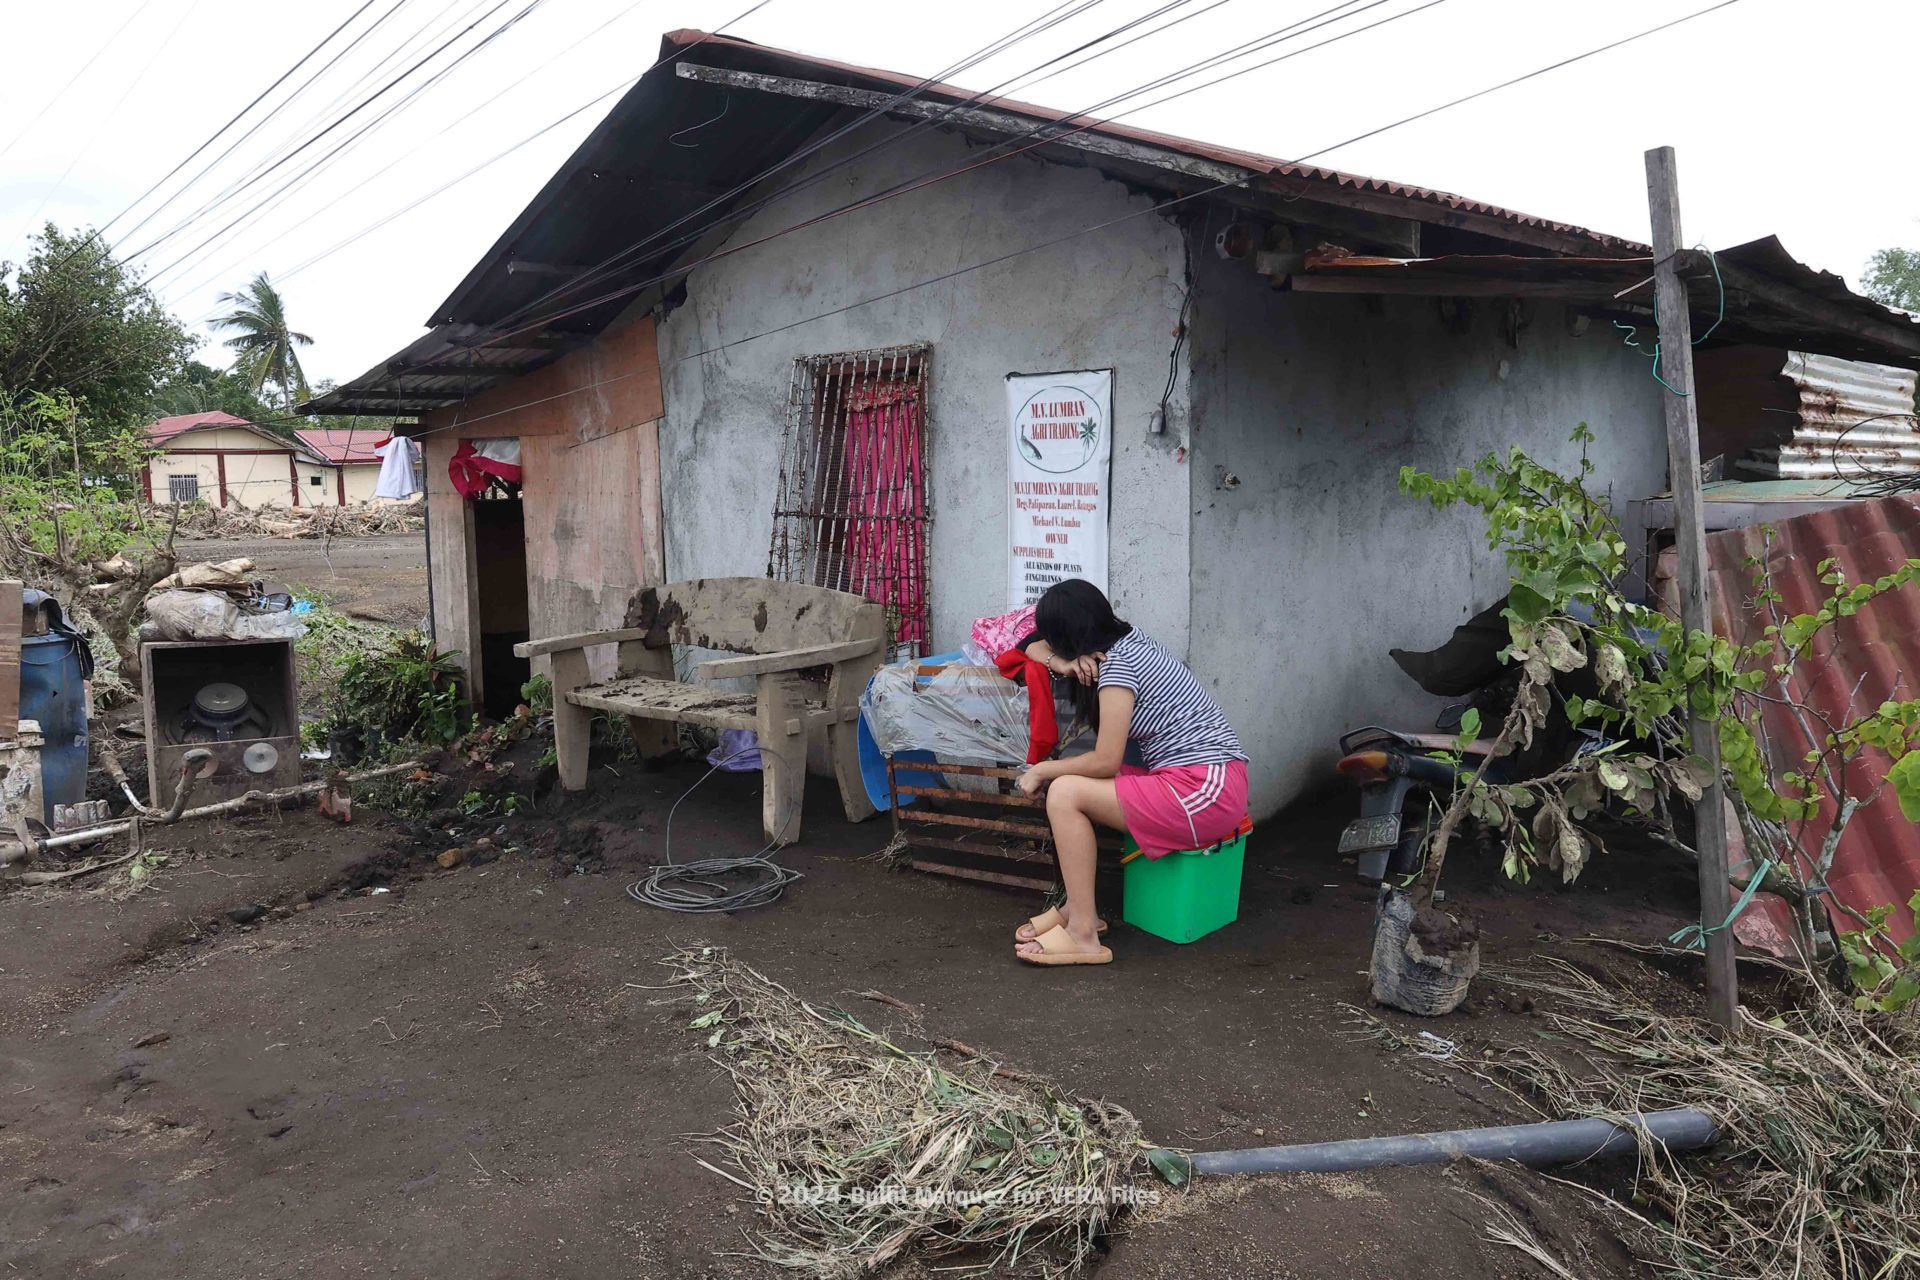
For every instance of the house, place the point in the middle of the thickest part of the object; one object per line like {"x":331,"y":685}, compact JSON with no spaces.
{"x":708,"y":367}
{"x":348,"y":454}
{"x":226,"y":461}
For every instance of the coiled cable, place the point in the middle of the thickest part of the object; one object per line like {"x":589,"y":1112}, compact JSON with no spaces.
{"x":698,"y":886}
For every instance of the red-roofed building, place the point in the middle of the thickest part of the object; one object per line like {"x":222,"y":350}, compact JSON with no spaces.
{"x":348,"y":453}
{"x":227,"y":461}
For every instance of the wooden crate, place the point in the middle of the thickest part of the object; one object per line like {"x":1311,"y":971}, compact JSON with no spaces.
{"x":998,"y":836}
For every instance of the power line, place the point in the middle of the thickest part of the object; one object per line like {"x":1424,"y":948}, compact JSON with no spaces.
{"x":356,"y":110}
{"x":74,"y":78}
{"x":928,"y":178}
{"x":299,"y":180}
{"x":113,"y":111}
{"x":451,"y":125}
{"x":1024,"y":32}
{"x":261,"y":123}
{"x":1160,"y":207}
{"x":214,"y":136}
{"x":994,"y":47}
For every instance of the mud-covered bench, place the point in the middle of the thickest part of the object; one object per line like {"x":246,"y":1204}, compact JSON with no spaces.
{"x":780,"y":629}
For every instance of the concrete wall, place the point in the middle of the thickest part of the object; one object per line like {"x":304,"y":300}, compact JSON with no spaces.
{"x":1308,"y":563}
{"x":1109,"y":299}
{"x":360,"y":479}
{"x":257,"y":474}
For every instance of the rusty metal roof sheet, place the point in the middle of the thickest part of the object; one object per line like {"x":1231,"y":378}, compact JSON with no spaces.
{"x":1855,"y":419}
{"x":1865,"y":659}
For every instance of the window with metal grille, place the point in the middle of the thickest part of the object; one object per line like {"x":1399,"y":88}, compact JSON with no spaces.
{"x":183,"y":488}
{"x":851,"y":513}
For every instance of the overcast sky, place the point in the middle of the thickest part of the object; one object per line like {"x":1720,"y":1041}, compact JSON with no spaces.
{"x":1790,"y":119}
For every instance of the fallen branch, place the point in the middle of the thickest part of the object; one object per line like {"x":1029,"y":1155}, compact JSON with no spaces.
{"x":52,"y":877}
{"x":896,"y":1002}
{"x":968,"y":1051}
{"x":91,"y":835}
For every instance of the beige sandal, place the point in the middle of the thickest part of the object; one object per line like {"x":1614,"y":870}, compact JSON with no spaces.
{"x":1048,"y":919}
{"x":1055,"y":946}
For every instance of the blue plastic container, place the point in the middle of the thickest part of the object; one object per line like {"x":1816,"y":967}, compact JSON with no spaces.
{"x":873,"y":765}
{"x":53,"y":691}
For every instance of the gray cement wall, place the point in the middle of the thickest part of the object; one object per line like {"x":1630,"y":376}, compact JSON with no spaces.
{"x":1308,"y":563}
{"x":1285,"y":584}
{"x":1108,"y":299}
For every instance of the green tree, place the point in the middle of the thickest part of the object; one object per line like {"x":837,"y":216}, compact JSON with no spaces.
{"x":200,"y":388}
{"x":1893,"y":277}
{"x":266,"y":348}
{"x":73,"y":320}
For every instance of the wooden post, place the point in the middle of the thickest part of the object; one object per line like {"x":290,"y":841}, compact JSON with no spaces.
{"x":10,"y":628}
{"x":1690,"y":539}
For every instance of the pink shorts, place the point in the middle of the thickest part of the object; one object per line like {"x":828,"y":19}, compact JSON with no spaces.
{"x":1184,"y":806}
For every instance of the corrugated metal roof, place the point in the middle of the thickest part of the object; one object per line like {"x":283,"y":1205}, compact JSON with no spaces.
{"x":628,"y":180}
{"x":630,"y":196}
{"x":1855,"y":419}
{"x":1757,"y":292}
{"x":1312,"y":175}
{"x":167,"y":428}
{"x":344,"y":445}
{"x":1863,"y":661}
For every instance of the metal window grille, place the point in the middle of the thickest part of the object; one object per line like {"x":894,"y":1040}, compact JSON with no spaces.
{"x":183,"y":488}
{"x":852,"y":511}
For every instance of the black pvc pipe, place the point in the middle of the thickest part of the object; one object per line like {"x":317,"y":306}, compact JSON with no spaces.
{"x":1549,"y":1143}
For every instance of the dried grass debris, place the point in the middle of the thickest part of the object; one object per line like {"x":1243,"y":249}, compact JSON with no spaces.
{"x":1817,"y":1172}
{"x":859,"y":1151}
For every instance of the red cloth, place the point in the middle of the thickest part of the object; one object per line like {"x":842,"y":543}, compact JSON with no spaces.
{"x":1043,"y":731}
{"x":469,"y":470}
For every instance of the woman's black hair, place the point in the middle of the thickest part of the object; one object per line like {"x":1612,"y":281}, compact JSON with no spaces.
{"x":1075,"y":618}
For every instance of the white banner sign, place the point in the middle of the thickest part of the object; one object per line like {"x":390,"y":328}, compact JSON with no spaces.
{"x":1062,"y":451}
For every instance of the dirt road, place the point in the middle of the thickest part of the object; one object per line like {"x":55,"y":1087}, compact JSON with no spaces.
{"x":383,"y":578}
{"x":469,"y":1075}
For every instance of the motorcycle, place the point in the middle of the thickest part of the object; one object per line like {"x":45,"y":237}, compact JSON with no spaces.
{"x":1405,"y":777}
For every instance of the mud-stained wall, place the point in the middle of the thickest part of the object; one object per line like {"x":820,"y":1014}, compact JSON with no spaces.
{"x":1110,"y":299}
{"x":1308,"y":562}
{"x":589,"y":445}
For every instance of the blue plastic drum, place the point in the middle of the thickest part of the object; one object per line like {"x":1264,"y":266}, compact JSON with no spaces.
{"x":53,"y":690}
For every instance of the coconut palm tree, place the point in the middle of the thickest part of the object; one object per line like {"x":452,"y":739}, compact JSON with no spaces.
{"x":265,"y":348}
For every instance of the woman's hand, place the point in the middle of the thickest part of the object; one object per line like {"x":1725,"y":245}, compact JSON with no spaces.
{"x":1085,"y":669}
{"x":1032,"y":782}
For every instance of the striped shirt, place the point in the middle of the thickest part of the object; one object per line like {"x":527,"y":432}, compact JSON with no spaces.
{"x":1175,"y":720}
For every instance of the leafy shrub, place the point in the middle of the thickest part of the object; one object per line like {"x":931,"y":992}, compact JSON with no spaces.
{"x":407,"y":692}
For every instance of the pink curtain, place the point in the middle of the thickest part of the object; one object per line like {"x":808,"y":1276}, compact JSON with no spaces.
{"x":885,"y":556}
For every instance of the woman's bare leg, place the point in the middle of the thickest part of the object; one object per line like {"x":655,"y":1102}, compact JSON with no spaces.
{"x":1074,"y":804}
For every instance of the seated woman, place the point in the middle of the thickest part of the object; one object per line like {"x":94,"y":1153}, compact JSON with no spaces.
{"x":1192,"y":792}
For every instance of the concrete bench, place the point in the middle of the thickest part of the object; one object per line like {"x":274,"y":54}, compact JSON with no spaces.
{"x":779,"y":629}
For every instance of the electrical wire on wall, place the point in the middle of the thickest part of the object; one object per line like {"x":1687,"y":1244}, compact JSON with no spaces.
{"x":1180,"y":325}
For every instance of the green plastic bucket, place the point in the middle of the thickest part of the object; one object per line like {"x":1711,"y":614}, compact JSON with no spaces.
{"x":1187,"y":894}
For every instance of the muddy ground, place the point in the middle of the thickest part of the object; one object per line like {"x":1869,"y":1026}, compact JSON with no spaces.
{"x":383,"y":579}
{"x":255,"y":1066}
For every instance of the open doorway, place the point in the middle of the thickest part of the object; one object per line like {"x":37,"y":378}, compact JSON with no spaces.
{"x":500,"y":562}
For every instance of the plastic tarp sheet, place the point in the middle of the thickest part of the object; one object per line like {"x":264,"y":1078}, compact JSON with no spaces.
{"x":213,"y":615}
{"x":962,"y":711}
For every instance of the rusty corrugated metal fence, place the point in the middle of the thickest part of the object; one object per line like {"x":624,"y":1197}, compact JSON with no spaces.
{"x":1861,"y":662}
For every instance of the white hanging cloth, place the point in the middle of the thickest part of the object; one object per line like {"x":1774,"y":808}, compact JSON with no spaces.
{"x":399,"y":460}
